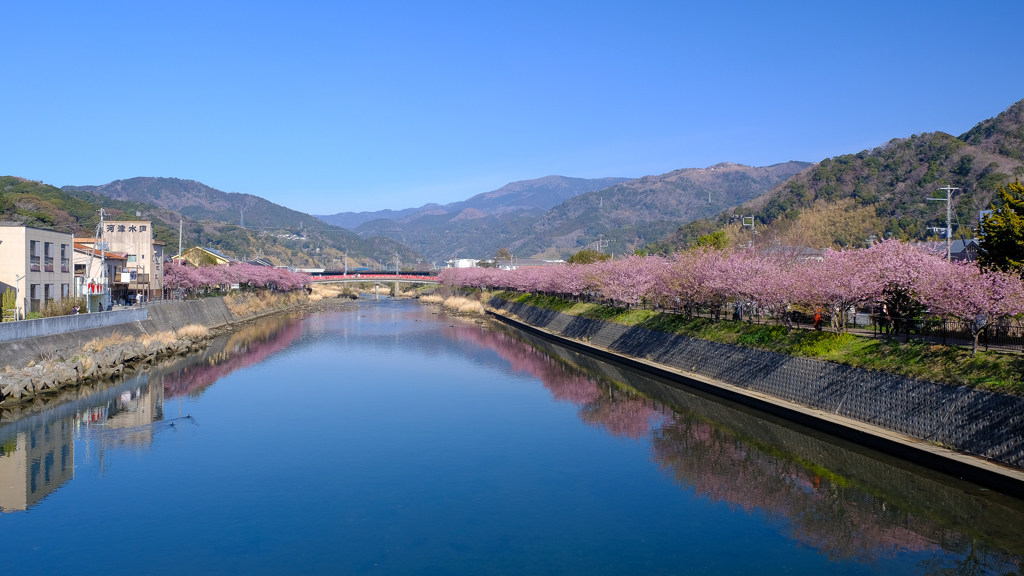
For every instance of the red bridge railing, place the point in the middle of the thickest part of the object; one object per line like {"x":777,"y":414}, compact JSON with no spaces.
{"x":377,"y":277}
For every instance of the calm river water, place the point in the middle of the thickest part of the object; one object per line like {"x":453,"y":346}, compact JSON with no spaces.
{"x":392,"y":439}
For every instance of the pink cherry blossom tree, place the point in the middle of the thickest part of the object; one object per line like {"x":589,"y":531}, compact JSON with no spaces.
{"x":978,"y":298}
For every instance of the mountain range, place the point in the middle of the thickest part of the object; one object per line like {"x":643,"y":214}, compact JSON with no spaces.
{"x":214,"y":218}
{"x":543,"y":193}
{"x":556,"y":216}
{"x":845,"y":200}
{"x":853,"y":199}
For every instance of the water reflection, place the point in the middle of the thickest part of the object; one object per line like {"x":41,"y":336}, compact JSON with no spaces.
{"x":845,"y":502}
{"x":37,"y":452}
{"x":34,"y":463}
{"x":37,"y":441}
{"x":842,"y":501}
{"x":249,"y":346}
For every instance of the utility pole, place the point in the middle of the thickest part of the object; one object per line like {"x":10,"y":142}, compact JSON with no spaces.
{"x":600,"y":244}
{"x":346,"y":264}
{"x":181,"y":228}
{"x":949,"y":215}
{"x":108,"y":285}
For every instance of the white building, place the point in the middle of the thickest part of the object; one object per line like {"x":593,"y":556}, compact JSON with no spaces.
{"x":145,"y":257}
{"x":35,"y":263}
{"x":98,"y":275}
{"x":462,"y":263}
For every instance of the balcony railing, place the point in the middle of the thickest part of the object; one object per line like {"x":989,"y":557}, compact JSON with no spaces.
{"x":94,"y":286}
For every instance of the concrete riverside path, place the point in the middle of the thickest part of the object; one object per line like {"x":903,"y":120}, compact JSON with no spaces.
{"x":989,"y":473}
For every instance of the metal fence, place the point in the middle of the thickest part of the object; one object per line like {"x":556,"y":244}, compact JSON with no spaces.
{"x":1007,"y":335}
{"x":1003,"y":335}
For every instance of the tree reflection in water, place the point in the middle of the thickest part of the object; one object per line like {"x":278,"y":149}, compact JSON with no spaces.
{"x":842,"y":517}
{"x":246,"y":347}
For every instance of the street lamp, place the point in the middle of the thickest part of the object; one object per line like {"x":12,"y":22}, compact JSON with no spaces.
{"x":17,"y":289}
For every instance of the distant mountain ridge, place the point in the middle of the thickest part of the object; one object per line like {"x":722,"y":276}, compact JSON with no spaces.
{"x":629,"y":213}
{"x":224,"y":211}
{"x":201,"y":202}
{"x":543,"y":193}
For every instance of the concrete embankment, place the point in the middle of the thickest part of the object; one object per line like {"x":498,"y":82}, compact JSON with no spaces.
{"x":46,"y":364}
{"x":913,"y":419}
{"x":40,"y":327}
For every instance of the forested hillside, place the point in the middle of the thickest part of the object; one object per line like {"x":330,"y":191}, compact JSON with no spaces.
{"x":214,"y":218}
{"x":201,"y":202}
{"x":77,"y":211}
{"x":522,"y":196}
{"x":41,"y":205}
{"x":627,"y":214}
{"x":850,"y":199}
{"x":633,"y":213}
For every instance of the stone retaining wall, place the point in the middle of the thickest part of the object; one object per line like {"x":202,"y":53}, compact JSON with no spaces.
{"x":975,"y":421}
{"x":60,"y":324}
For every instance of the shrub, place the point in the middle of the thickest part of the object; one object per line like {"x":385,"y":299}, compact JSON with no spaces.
{"x":63,"y":307}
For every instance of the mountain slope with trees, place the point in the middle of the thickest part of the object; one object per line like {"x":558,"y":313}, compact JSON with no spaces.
{"x":213,"y":218}
{"x":524,"y":195}
{"x":629,"y":213}
{"x":857,"y":198}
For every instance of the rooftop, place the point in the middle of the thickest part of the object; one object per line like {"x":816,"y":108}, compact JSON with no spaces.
{"x":105,"y":254}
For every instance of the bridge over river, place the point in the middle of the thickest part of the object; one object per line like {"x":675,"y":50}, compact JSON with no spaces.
{"x":376,"y":278}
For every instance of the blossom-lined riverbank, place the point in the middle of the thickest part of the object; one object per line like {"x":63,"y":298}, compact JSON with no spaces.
{"x":908,"y":281}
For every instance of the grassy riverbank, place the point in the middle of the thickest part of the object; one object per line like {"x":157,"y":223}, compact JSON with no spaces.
{"x":996,"y":371}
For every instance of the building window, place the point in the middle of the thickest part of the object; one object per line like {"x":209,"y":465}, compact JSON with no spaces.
{"x":131,"y":258}
{"x":33,"y":298}
{"x":65,"y":260}
{"x":47,"y":256}
{"x":65,"y":291}
{"x":48,"y":292}
{"x":33,"y":252}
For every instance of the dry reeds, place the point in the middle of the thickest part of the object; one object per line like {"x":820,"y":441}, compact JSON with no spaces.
{"x":247,"y":304}
{"x":193,"y":332}
{"x":98,"y":344}
{"x":163,"y":337}
{"x":464,"y":305}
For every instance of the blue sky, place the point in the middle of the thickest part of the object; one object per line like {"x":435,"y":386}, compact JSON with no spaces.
{"x":332,"y":106}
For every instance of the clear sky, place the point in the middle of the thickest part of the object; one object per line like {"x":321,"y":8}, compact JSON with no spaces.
{"x":333,"y":106}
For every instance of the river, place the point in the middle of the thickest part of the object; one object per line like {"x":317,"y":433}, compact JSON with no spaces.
{"x":395,"y":439}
